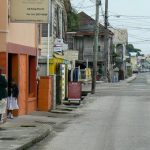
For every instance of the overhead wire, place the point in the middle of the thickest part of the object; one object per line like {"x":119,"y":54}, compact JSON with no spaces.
{"x":131,"y":22}
{"x":134,"y":36}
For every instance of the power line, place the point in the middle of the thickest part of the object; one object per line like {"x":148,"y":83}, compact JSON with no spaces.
{"x":134,"y":42}
{"x":138,"y":37}
{"x":81,"y":7}
{"x":135,"y":27}
{"x":131,"y":22}
{"x":127,"y":16}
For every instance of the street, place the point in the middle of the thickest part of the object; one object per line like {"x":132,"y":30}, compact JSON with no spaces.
{"x":117,"y":117}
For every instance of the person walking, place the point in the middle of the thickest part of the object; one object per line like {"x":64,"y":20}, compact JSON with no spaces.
{"x":12,"y":103}
{"x":3,"y":94}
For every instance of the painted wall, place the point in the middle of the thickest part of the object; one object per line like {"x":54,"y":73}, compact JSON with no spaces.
{"x":17,"y":45}
{"x":23,"y":85}
{"x":22,"y":33}
{"x":134,"y":62}
{"x":18,"y":33}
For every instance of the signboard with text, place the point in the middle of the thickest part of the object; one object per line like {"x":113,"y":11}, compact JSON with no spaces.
{"x":29,"y":11}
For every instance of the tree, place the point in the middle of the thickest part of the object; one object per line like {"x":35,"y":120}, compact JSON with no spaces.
{"x":73,"y":20}
{"x":130,"y":48}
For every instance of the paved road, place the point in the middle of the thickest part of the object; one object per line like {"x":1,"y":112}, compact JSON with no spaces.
{"x":117,"y":119}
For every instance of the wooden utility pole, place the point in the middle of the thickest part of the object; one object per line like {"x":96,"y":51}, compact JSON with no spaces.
{"x":106,"y":40}
{"x":95,"y":47}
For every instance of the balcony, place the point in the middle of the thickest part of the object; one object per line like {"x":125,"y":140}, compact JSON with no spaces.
{"x":89,"y":56}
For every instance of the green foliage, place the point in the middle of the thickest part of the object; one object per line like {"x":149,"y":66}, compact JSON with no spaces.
{"x":130,"y":48}
{"x":73,"y":20}
{"x":129,"y":72}
{"x":115,"y":57}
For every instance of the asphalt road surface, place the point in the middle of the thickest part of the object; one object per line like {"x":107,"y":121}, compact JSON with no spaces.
{"x":116,"y":118}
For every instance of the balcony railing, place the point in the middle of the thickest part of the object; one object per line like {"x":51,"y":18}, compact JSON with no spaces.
{"x":89,"y":56}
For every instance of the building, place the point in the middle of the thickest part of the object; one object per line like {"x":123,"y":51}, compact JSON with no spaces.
{"x":57,"y":29}
{"x":52,"y":48}
{"x":134,"y":61}
{"x":18,"y":55}
{"x":120,"y":40}
{"x":83,"y":41}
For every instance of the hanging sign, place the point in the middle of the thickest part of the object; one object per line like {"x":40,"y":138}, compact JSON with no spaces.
{"x":29,"y":11}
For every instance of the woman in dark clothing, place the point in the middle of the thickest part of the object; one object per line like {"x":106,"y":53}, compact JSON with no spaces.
{"x":12,"y":103}
{"x":3,"y":94}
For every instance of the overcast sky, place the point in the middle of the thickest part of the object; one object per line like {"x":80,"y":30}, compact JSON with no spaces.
{"x":131,"y":14}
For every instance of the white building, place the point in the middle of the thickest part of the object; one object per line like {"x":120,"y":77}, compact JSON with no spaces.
{"x":57,"y":26}
{"x":120,"y":40}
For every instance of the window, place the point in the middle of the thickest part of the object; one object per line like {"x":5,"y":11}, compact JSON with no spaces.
{"x":44,"y":30}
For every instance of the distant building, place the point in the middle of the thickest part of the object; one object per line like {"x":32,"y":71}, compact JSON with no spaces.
{"x":83,"y":41}
{"x":134,"y":60}
{"x":120,"y":40}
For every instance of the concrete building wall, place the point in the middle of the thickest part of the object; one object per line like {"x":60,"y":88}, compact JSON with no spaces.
{"x":22,"y":33}
{"x":120,"y":36}
{"x":18,"y":33}
{"x":134,"y":62}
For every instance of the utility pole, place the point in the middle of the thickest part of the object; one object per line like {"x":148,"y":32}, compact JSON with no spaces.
{"x":95,"y":47}
{"x":48,"y":38}
{"x":106,"y":40}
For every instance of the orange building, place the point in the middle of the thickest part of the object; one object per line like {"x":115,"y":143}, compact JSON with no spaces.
{"x":18,"y":54}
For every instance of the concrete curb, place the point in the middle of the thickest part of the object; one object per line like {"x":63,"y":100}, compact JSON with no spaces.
{"x":22,"y":133}
{"x":35,"y":140}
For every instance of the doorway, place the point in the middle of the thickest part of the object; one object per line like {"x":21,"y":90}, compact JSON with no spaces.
{"x":13,"y":72}
{"x":12,"y":67}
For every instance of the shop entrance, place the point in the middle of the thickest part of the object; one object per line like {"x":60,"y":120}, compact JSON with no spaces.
{"x":13,"y":71}
{"x":12,"y":67}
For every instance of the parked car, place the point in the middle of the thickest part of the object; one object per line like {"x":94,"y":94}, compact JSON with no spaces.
{"x":135,"y":71}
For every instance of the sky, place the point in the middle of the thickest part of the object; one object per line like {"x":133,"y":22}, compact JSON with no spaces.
{"x":133,"y":15}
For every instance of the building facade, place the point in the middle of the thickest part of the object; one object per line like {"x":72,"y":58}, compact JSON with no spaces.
{"x":57,"y":30}
{"x":18,"y":55}
{"x":120,"y":40}
{"x":83,"y":41}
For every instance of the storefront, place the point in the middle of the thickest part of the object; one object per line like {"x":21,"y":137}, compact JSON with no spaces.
{"x":59,"y":66}
{"x":19,"y":63}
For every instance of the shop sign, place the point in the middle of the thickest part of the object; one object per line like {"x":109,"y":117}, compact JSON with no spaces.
{"x":57,"y":49}
{"x":58,"y":42}
{"x":29,"y":11}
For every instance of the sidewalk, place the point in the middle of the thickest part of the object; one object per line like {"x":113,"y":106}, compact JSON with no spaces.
{"x":22,"y":132}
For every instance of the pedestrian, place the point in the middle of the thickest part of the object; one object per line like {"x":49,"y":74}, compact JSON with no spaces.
{"x":12,"y":101}
{"x":3,"y":94}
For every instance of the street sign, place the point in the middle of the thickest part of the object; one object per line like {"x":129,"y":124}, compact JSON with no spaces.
{"x":57,"y":49}
{"x":29,"y":11}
